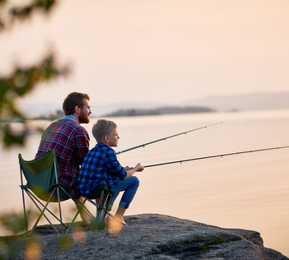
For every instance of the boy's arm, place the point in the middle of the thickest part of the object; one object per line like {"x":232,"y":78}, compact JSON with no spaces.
{"x":130,"y":171}
{"x":117,"y":170}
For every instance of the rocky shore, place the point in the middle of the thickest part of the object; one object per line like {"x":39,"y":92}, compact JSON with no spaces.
{"x":148,"y":236}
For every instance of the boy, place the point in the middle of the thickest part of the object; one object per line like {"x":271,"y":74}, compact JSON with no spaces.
{"x":101,"y":165}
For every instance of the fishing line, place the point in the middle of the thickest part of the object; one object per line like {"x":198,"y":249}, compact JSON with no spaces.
{"x":165,"y":138}
{"x":213,"y":156}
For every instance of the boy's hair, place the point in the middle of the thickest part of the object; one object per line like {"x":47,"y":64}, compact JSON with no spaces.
{"x":72,"y":100}
{"x":102,"y":128}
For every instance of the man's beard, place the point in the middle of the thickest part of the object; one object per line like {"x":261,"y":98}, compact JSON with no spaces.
{"x":83,"y":119}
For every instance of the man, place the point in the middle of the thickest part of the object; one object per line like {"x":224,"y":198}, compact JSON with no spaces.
{"x":69,"y":140}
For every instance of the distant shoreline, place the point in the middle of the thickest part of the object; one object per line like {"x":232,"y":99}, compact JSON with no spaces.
{"x":160,"y":111}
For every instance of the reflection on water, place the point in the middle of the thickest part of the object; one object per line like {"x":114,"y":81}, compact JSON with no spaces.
{"x":248,"y":191}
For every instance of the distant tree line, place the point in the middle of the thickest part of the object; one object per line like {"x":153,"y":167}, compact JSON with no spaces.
{"x":160,"y":111}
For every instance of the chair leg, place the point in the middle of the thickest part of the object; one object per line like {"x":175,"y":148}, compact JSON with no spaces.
{"x":46,"y":208}
{"x":23,"y":199}
{"x":80,"y":207}
{"x":98,"y":218}
{"x":40,"y":216}
{"x":59,"y":207}
{"x":100,"y":210}
{"x":72,"y":222}
{"x":24,"y":208}
{"x":103,"y":206}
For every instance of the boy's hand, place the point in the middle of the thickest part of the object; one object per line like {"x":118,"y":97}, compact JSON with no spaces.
{"x":139,"y":167}
{"x":127,"y":168}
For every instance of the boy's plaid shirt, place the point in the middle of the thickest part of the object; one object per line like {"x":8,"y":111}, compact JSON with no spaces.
{"x":100,"y":165}
{"x":71,"y":144}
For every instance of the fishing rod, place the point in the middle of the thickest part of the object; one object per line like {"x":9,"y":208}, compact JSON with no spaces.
{"x":165,"y":138}
{"x":213,"y":156}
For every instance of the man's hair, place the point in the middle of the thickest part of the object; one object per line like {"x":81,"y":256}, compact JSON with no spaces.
{"x":72,"y":100}
{"x":102,"y":128}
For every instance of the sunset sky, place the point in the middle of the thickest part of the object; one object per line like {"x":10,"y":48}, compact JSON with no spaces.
{"x":157,"y":51}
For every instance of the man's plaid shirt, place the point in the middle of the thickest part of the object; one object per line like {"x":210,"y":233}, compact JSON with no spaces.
{"x":100,"y":165}
{"x":71,"y":144}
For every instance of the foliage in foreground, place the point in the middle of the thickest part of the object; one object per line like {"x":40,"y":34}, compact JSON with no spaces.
{"x":18,"y":83}
{"x":22,"y":81}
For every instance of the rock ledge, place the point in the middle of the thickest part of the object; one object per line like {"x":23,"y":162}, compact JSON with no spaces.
{"x":152,"y":236}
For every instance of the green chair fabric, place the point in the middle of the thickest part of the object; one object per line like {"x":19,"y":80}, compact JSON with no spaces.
{"x":97,"y":191}
{"x":42,"y":176}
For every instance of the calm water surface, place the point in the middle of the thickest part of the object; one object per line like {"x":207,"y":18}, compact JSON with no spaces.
{"x":248,"y":191}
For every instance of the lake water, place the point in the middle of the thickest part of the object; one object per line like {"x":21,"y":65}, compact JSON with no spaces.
{"x":247,"y":191}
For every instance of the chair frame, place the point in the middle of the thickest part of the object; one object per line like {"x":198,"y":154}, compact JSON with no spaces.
{"x":101,"y":210}
{"x":34,"y":198}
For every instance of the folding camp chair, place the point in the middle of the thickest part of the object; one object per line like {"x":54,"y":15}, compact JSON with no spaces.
{"x":42,"y":184}
{"x":103,"y":195}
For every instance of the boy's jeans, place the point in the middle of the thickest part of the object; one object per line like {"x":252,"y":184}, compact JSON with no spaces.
{"x":129,"y":186}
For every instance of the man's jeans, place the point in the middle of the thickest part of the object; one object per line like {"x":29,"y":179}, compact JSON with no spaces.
{"x":129,"y":186}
